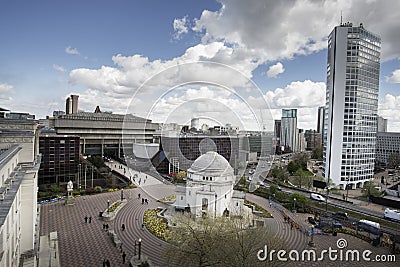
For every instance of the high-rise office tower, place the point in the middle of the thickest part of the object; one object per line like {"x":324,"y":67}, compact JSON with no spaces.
{"x":351,"y":105}
{"x":289,"y":129}
{"x":71,"y":104}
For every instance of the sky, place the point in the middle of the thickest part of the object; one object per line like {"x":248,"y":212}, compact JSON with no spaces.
{"x":225,"y":61}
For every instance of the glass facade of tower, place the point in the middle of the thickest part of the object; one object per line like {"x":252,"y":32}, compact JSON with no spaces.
{"x":351,"y":96}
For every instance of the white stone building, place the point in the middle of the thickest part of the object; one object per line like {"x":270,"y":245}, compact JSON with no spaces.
{"x":209,"y":188}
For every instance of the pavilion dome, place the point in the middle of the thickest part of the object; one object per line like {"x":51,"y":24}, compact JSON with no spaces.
{"x":211,"y":164}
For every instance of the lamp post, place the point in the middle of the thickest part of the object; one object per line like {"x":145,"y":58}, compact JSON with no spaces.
{"x":140,"y":247}
{"x":122,"y":194}
{"x":311,"y":242}
{"x":79,"y":176}
{"x":326,"y":201}
{"x":347,"y":187}
{"x":108,"y":206}
{"x":294,"y":204}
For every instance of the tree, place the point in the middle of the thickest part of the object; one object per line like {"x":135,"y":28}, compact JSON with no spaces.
{"x":394,"y":160}
{"x":301,"y":200}
{"x":293,"y":166}
{"x":279,"y":173}
{"x":301,"y":159}
{"x":218,"y":242}
{"x":96,"y":160}
{"x":370,"y":190}
{"x":317,"y":153}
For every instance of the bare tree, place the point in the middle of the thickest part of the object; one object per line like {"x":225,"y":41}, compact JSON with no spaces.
{"x":219,"y":242}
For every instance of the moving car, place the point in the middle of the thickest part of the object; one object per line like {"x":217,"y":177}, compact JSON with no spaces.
{"x":392,"y":214}
{"x":317,"y":197}
{"x":341,"y":215}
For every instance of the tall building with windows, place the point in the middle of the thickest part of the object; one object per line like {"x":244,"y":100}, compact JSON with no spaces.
{"x":289,"y":131}
{"x":320,"y":122}
{"x":351,"y":105}
{"x":71,"y":104}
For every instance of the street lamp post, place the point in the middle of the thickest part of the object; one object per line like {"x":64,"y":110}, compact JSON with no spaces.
{"x":311,"y":242}
{"x":294,"y":204}
{"x":108,"y":206}
{"x":92,"y":176}
{"x":326,"y":201}
{"x":347,"y":187}
{"x":140,"y":247}
{"x":122,"y":194}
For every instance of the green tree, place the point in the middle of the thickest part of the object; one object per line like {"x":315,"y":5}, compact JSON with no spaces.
{"x":301,"y":201}
{"x":370,"y":190}
{"x":394,"y":160}
{"x":293,"y":166}
{"x":301,"y":159}
{"x":317,"y":153}
{"x":96,"y":160}
{"x":279,"y":173}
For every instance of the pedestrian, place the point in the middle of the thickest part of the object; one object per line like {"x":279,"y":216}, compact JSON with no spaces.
{"x":104,"y":226}
{"x":344,"y":197}
{"x":142,"y":226}
{"x":139,"y":196}
{"x":120,"y":246}
{"x":104,"y":263}
{"x":107,"y":226}
{"x":90,"y":219}
{"x":123,"y":227}
{"x":291,"y":226}
{"x":142,"y":201}
{"x":108,"y":264}
{"x":145,"y":201}
{"x":86,"y":218}
{"x":123,"y":257}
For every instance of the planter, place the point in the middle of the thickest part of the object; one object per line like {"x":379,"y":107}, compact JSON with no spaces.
{"x":109,"y":216}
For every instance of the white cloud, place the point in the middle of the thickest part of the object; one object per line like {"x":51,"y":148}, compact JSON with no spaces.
{"x":395,"y":78}
{"x":275,"y":70}
{"x":5,"y":91}
{"x":71,"y":51}
{"x":59,"y":68}
{"x":278,"y":30}
{"x":180,"y":27}
{"x":389,"y":108}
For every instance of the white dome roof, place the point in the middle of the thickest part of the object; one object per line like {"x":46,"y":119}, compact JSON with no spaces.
{"x":211,"y":164}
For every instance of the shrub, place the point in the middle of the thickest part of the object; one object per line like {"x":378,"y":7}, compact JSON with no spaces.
{"x":98,"y":189}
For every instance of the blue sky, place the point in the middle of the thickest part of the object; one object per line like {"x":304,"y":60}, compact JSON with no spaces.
{"x":104,"y":51}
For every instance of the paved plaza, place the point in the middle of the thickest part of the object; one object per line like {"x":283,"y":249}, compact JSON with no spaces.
{"x":87,"y":244}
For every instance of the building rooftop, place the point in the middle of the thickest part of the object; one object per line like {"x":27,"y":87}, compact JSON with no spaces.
{"x":211,"y":163}
{"x":103,"y":116}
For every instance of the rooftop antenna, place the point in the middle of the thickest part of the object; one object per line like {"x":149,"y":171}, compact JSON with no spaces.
{"x":341,"y":17}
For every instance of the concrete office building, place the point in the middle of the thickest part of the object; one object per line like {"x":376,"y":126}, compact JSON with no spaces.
{"x":104,"y":133}
{"x":351,"y":105}
{"x":320,"y":120}
{"x":289,"y":131}
{"x":19,"y":166}
{"x":313,"y":139}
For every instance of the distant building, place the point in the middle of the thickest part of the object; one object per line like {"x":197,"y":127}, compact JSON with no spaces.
{"x":60,"y":158}
{"x":71,"y":104}
{"x":178,"y":153}
{"x":289,"y":130}
{"x":382,"y":124}
{"x":195,"y":123}
{"x":313,"y":139}
{"x":301,"y":141}
{"x":351,"y":105}
{"x":386,"y":144}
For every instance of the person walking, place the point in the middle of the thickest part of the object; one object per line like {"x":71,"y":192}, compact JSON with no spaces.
{"x":86,"y":218}
{"x":123,"y":227}
{"x":123,"y":257}
{"x":90,"y":219}
{"x":108,"y":264}
{"x":104,"y":263}
{"x":139,"y":196}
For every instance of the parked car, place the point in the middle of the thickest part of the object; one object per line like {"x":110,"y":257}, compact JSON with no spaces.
{"x":392,"y":214}
{"x":317,"y":197}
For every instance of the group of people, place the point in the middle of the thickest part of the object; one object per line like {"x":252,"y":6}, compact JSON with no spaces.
{"x":88,"y":219}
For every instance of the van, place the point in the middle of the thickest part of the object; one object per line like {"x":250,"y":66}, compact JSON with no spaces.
{"x":317,"y":197}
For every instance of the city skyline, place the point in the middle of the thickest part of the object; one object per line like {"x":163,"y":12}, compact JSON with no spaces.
{"x":105,"y":52}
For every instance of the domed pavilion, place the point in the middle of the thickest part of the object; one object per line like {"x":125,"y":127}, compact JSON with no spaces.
{"x":209,"y":188}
